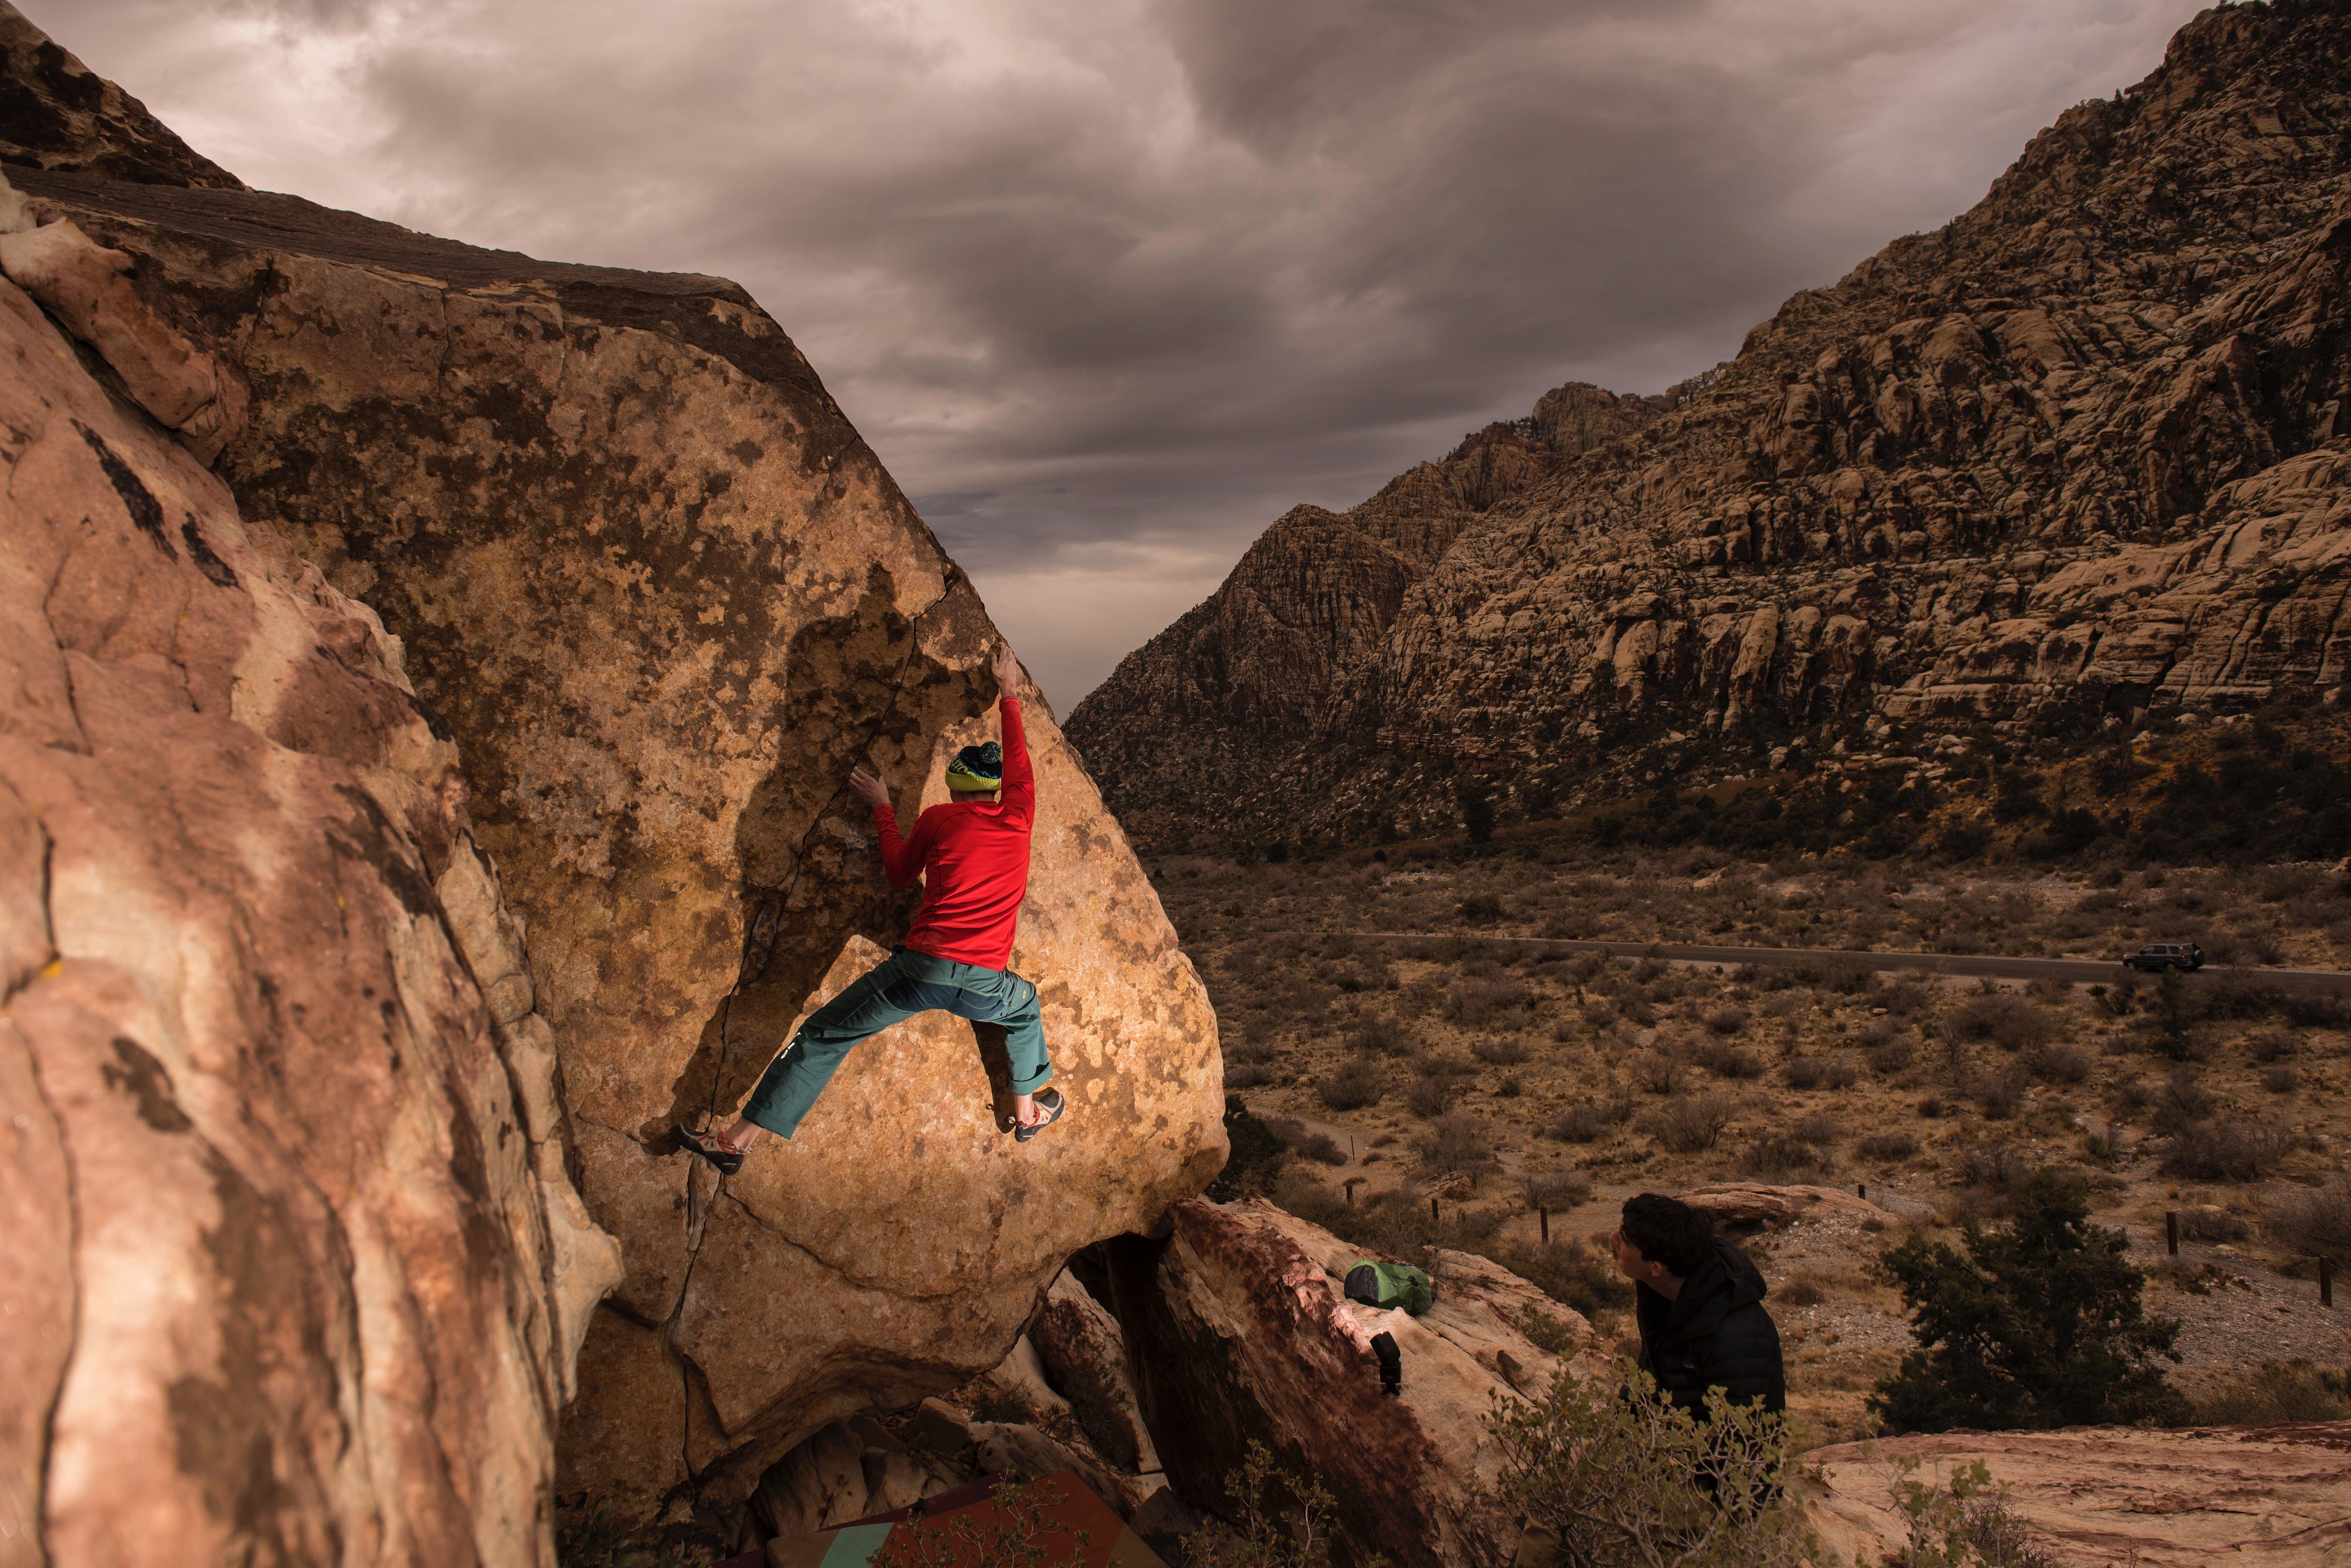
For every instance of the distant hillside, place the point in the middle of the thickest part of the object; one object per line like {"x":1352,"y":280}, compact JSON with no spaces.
{"x":2080,"y":457}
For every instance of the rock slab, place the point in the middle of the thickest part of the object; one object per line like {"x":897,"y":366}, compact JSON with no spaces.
{"x":297,"y":1271}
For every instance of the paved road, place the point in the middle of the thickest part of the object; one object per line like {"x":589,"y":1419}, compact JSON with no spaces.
{"x":2076,"y":971}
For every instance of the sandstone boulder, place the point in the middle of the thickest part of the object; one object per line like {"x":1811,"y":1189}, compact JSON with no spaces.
{"x":2113,"y":1495}
{"x":663,"y":597}
{"x":1748,"y":1204}
{"x":1242,"y":1332}
{"x":1080,"y":1343}
{"x":297,"y":1274}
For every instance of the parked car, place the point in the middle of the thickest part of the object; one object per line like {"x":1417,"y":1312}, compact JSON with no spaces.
{"x":2166,"y":956}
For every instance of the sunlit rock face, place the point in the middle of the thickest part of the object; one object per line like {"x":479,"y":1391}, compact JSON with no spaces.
{"x":2081,"y":452}
{"x":660,"y":597}
{"x":296,"y":1268}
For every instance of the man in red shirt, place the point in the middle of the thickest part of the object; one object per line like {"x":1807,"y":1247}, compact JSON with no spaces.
{"x":972,"y":854}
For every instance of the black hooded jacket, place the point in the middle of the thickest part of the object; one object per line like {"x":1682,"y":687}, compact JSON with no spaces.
{"x":1715,"y":1335}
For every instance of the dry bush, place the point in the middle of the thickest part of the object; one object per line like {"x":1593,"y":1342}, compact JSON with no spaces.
{"x":1798,"y":1292}
{"x":1458,"y":1144}
{"x":1820,"y":1128}
{"x":2062,"y":1064}
{"x":1819,"y":1072}
{"x":1903,"y":997}
{"x":1887,"y":1146}
{"x":1499,"y":1052}
{"x":2272,"y":1044}
{"x":1656,"y":1072}
{"x":1429,"y":1096}
{"x":2226,"y":1151}
{"x":1725,"y":1060}
{"x":1690,"y":1124}
{"x":1892,"y":1056}
{"x":1999,"y":1095}
{"x":1600,"y":1012}
{"x":2210,"y":1222}
{"x":1443,"y":1064}
{"x":1558,"y":1189}
{"x":1352,"y":1085}
{"x":1995,"y":1168}
{"x":2314,"y":1221}
{"x":2182,"y":1100}
{"x":1588,"y":1123}
{"x":1251,"y":1074}
{"x":1488,"y":1003}
{"x":2277,"y":1391}
{"x":1778,"y":1156}
{"x":1382,"y":1035}
{"x":2009,"y":1022}
{"x":2284,"y":1078}
{"x":1726,"y":1020}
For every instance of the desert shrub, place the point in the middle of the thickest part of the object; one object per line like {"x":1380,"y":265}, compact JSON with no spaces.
{"x":1510,"y":1087}
{"x":1274,"y":1520}
{"x":1320,"y":1147}
{"x":2062,"y":1064}
{"x":1963,"y":1520}
{"x":1352,"y":1085}
{"x":1499,"y":1052}
{"x":1778,"y":1156}
{"x":1557,"y":1189}
{"x":1457,"y":1143}
{"x":2210,"y":1222}
{"x":1996,"y":1168}
{"x":1251,"y":1074}
{"x":2226,"y":1151}
{"x":1588,"y":1124}
{"x":1487,"y":1003}
{"x":1381,"y":1036}
{"x":1798,"y":1292}
{"x":1997,"y":1094}
{"x":2009,"y":1022}
{"x":1887,"y":1147}
{"x":1430,"y":1096}
{"x":1570,"y":1273}
{"x":1656,"y":1072}
{"x":1903,"y":997}
{"x":1479,"y":909}
{"x":1620,"y":1476}
{"x":1819,"y":1072}
{"x":1820,"y":1128}
{"x":1932,"y":1107}
{"x":1689,"y":1123}
{"x":2314,"y":1221}
{"x":2182,"y":1100}
{"x":2270,"y":1045}
{"x":1892,"y":1056}
{"x":2276,"y":1391}
{"x":1725,"y":1060}
{"x":1726,"y":1020}
{"x":2281,"y":1078}
{"x":2036,"y":1325}
{"x":1443,"y":1064}
{"x":1599,"y":1012}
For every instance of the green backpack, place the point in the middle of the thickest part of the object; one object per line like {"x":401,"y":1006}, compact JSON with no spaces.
{"x":1386,"y":1285}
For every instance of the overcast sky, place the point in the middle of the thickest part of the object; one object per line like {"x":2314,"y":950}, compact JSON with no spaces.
{"x":1111,"y":284}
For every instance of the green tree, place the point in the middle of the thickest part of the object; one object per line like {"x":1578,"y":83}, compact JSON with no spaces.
{"x":1477,"y":811}
{"x":2038,"y":1325}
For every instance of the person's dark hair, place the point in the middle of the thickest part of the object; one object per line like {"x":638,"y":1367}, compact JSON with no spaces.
{"x":1668,"y":1231}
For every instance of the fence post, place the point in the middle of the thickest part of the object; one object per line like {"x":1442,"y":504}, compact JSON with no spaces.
{"x":1432,"y":1211}
{"x":1544,"y":1215}
{"x":1861,"y":1190}
{"x":2171,"y":1231}
{"x":2326,"y":1281}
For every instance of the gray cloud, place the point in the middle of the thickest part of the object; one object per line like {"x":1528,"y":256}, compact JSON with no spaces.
{"x":1110,"y":282}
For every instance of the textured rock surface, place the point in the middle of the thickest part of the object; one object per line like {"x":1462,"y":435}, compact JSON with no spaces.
{"x":2115,"y":1495}
{"x":2075,"y":454}
{"x":1741,"y":1204}
{"x":663,"y":597}
{"x":1240,"y":1330}
{"x":1085,"y":1354}
{"x":59,"y":114}
{"x":296,"y":1272}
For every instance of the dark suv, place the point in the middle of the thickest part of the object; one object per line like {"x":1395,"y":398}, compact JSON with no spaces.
{"x":2166,"y":956}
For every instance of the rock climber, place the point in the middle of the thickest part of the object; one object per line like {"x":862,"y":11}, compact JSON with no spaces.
{"x":972,"y":853}
{"x":1699,"y":1303}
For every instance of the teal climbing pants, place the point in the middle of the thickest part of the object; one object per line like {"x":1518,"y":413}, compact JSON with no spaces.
{"x":892,"y":991}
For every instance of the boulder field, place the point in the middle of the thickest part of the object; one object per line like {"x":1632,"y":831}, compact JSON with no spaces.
{"x":645,"y":597}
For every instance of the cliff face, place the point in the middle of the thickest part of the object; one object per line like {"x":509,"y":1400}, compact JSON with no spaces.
{"x":660,"y":597}
{"x":2075,"y":454}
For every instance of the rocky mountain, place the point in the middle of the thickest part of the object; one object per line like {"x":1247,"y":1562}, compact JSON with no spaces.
{"x":2079,"y":454}
{"x":427,"y":691}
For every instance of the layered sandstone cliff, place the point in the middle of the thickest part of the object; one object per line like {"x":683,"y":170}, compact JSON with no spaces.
{"x":656,"y":598}
{"x":2079,"y":453}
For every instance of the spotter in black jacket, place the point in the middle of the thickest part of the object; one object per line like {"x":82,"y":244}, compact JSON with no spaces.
{"x":1715,"y":1335}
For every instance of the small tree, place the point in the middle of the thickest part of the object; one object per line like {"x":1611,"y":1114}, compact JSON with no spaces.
{"x":1268,"y":1531}
{"x":1477,"y":811}
{"x":1625,"y":1479}
{"x":2037,"y":1325}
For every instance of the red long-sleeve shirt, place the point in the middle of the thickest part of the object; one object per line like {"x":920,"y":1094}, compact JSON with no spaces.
{"x":973,"y":858}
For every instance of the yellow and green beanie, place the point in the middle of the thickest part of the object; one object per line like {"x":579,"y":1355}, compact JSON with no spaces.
{"x":977,"y":767}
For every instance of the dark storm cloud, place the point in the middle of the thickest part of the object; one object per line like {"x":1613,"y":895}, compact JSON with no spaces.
{"x":1110,"y":282}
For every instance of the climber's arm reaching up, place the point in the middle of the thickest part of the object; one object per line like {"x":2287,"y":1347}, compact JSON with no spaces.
{"x":902,"y":859}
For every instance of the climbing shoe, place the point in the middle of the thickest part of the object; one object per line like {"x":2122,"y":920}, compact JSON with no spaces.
{"x":728,"y":1161}
{"x":1051,"y":1104}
